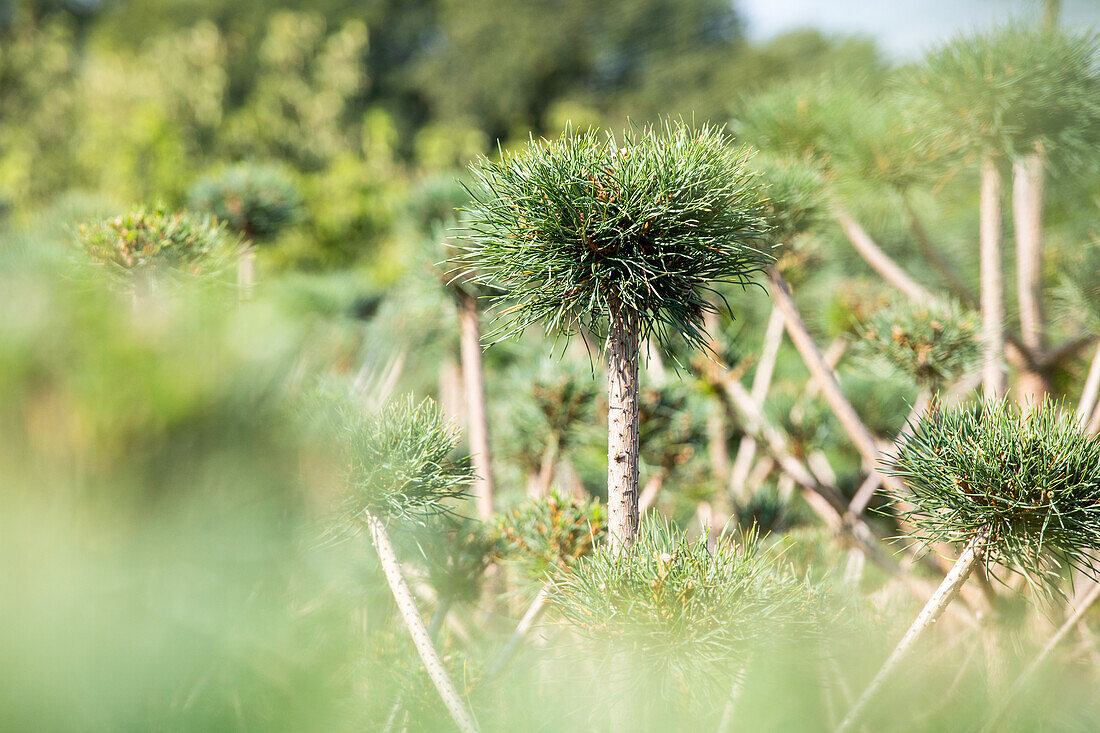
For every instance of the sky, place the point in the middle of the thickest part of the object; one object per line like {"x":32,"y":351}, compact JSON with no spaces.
{"x":904,"y":28}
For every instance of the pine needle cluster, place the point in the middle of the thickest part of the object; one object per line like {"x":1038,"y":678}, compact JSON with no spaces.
{"x":1002,"y":91}
{"x":677,"y":604}
{"x":550,"y":533}
{"x":154,"y":244}
{"x":589,"y":224}
{"x":255,"y":200}
{"x":399,"y":461}
{"x":935,"y":345}
{"x":1030,"y":478}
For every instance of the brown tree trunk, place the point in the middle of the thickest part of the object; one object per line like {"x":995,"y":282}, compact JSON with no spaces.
{"x":415,"y":624}
{"x":1027,"y":211}
{"x":932,"y":610}
{"x":992,"y":296}
{"x":477,"y":421}
{"x":622,"y":429}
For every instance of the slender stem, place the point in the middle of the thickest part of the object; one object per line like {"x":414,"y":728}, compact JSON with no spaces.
{"x":761,"y":382}
{"x":622,"y":425}
{"x":1027,"y":211}
{"x":652,"y":487}
{"x":992,"y":296}
{"x":415,"y":624}
{"x":863,"y":497}
{"x":1091,"y":390}
{"x":879,"y":260}
{"x":1018,"y":686}
{"x":477,"y":423}
{"x":538,"y":605}
{"x":830,"y":389}
{"x":246,"y":272}
{"x":547,"y":465}
{"x":932,"y":253}
{"x":932,"y":610}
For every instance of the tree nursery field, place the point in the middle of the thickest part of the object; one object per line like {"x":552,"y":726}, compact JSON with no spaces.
{"x":559,"y":366}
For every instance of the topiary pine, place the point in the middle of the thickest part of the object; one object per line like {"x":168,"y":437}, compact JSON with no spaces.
{"x":551,"y":532}
{"x":685,"y":613}
{"x":255,"y":200}
{"x":934,"y":344}
{"x":399,"y":462}
{"x":999,"y":92}
{"x":1029,"y":479}
{"x":152,"y":244}
{"x":623,"y":237}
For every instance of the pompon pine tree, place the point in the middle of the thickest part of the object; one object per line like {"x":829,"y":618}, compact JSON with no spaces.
{"x":146,"y":249}
{"x":1017,"y":489}
{"x":399,"y":467}
{"x":257,"y":201}
{"x":622,"y":236}
{"x":1030,"y":96}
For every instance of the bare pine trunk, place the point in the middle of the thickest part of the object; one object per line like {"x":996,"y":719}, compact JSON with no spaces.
{"x":246,"y":272}
{"x":451,"y":401}
{"x":830,"y":389}
{"x":530,"y":616}
{"x":622,"y":430}
{"x":932,"y":610}
{"x":761,"y":382}
{"x":477,"y":421}
{"x":1091,"y":391}
{"x":1027,"y":211}
{"x":547,"y":465}
{"x":880,"y":261}
{"x":415,"y":624}
{"x":993,"y":344}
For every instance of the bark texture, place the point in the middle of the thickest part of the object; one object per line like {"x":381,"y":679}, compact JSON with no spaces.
{"x":992,"y":297}
{"x":415,"y":624}
{"x":477,"y":421}
{"x":622,"y":430}
{"x":932,"y":610}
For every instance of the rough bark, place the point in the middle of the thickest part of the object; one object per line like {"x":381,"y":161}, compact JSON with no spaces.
{"x":622,"y":429}
{"x":477,"y":421}
{"x":932,"y":610}
{"x":415,"y":624}
{"x":761,"y":382}
{"x":1027,"y":212}
{"x":830,"y":389}
{"x":992,"y":296}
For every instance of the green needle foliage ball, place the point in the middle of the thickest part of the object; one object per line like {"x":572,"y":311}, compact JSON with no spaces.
{"x":550,"y":533}
{"x":794,"y":191}
{"x":154,"y":244}
{"x":934,"y":344}
{"x":581,"y":227}
{"x":399,"y":461}
{"x":1032,"y":479}
{"x":1002,"y":91}
{"x":255,"y":200}
{"x":679,"y":605}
